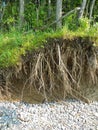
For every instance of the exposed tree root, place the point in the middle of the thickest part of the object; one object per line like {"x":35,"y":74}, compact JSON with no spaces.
{"x":60,"y":67}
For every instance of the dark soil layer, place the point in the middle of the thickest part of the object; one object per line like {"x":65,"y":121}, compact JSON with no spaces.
{"x":64,"y":68}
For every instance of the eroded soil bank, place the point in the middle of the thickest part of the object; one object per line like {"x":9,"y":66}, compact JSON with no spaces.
{"x":64,"y":68}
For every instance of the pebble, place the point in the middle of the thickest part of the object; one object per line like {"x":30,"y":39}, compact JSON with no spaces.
{"x":67,"y":115}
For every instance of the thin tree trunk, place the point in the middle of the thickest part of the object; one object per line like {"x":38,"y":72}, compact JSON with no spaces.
{"x":87,"y":8}
{"x":37,"y":16}
{"x":2,"y":11}
{"x":59,"y":13}
{"x":37,"y":2}
{"x":91,"y":8}
{"x":49,"y":8}
{"x":81,"y":12}
{"x":21,"y":13}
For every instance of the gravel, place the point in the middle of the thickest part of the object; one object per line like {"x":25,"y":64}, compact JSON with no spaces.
{"x":65,"y":115}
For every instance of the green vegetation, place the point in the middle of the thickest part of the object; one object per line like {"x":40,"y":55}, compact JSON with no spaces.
{"x":35,"y":29}
{"x":15,"y":43}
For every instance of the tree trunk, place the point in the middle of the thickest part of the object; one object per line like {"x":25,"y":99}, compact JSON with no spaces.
{"x":81,"y":12}
{"x":59,"y":13}
{"x":87,"y":8}
{"x":21,"y":13}
{"x":49,"y":8}
{"x":91,"y":8}
{"x":37,"y":16}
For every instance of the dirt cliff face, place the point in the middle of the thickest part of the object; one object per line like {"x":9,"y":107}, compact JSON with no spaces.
{"x":62,"y":68}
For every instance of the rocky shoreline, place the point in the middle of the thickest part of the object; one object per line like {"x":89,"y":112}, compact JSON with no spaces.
{"x":65,"y":115}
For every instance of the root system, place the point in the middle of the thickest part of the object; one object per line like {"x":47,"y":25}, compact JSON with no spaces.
{"x":63,"y":68}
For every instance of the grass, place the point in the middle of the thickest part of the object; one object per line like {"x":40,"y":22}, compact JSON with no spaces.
{"x":15,"y":43}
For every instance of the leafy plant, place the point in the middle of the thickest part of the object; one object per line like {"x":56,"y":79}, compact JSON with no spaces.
{"x":84,"y":24}
{"x":71,"y":22}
